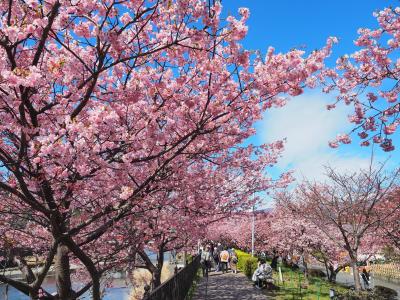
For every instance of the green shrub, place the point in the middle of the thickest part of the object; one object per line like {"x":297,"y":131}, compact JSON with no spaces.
{"x":246,"y":263}
{"x":250,"y":266}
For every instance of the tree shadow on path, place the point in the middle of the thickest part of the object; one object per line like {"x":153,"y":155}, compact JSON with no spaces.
{"x":228,"y":286}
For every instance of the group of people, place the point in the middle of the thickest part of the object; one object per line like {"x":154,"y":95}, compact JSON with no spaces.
{"x":222,"y":258}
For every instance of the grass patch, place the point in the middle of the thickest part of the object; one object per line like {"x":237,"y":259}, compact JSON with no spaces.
{"x":295,"y":286}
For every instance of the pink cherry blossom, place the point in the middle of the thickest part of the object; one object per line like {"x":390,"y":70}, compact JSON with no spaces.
{"x":367,"y":80}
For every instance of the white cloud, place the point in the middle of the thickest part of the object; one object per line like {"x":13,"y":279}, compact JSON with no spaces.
{"x":308,"y":126}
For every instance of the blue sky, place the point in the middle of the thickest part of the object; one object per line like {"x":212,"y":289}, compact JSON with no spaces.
{"x":287,"y":24}
{"x":306,"y":124}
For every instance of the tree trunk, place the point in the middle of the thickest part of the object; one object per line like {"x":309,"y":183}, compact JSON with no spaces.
{"x":27,"y":273}
{"x":62,"y":273}
{"x":327,"y":269}
{"x":96,"y":294}
{"x":90,"y":267}
{"x":356,"y":275}
{"x":156,"y":282}
{"x":149,"y":266}
{"x":305,"y":270}
{"x":332,"y":274}
{"x":25,"y":269}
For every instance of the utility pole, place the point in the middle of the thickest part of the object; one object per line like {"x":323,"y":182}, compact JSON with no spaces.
{"x":252,"y":234}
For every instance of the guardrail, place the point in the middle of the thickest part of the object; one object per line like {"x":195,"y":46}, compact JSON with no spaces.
{"x":177,"y":287}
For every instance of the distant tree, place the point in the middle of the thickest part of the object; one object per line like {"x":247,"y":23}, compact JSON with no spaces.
{"x":391,"y":228}
{"x":236,"y":229}
{"x":346,"y":209}
{"x":291,"y":232}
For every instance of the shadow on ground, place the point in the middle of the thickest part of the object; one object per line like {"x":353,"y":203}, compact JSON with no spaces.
{"x":227,"y":286}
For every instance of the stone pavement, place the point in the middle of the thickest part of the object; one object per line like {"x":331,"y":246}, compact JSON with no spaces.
{"x":227,"y":286}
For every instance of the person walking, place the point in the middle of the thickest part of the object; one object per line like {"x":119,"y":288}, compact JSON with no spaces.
{"x":365,"y":278}
{"x":219,"y":248}
{"x":205,"y":260}
{"x":212,"y":248}
{"x":217,"y":252}
{"x":224,"y":259}
{"x":216,"y":261}
{"x":233,"y":261}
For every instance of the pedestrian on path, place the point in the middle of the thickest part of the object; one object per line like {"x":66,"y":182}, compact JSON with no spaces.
{"x":224,"y":259}
{"x":233,"y":261}
{"x":220,"y":248}
{"x":206,"y":260}
{"x":365,"y":278}
{"x":217,"y":252}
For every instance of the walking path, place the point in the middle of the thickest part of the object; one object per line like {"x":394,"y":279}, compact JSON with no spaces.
{"x":348,"y":280}
{"x":227,"y":286}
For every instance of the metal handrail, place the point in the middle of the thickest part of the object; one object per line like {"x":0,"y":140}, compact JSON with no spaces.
{"x":177,"y":287}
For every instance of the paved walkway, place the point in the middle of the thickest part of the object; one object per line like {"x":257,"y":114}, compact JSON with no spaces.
{"x":227,"y":286}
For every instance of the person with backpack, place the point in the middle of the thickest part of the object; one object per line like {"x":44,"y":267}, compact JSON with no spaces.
{"x":233,"y":262}
{"x":224,"y":259}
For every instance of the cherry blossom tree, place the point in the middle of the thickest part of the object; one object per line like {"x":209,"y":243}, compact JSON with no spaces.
{"x":368,"y":80}
{"x":103,"y":101}
{"x":236,"y":230}
{"x":187,"y":208}
{"x":346,"y":209}
{"x":391,"y":227}
{"x":292,"y":233}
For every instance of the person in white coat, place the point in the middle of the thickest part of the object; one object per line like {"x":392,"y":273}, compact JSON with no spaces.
{"x":262,"y":274}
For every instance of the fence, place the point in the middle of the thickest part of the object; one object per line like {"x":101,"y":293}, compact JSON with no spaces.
{"x":178,"y":286}
{"x":389,"y":271}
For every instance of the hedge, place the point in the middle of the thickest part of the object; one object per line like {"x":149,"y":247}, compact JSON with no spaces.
{"x":246,"y":263}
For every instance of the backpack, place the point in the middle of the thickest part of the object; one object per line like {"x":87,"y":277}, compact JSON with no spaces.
{"x":224,"y":256}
